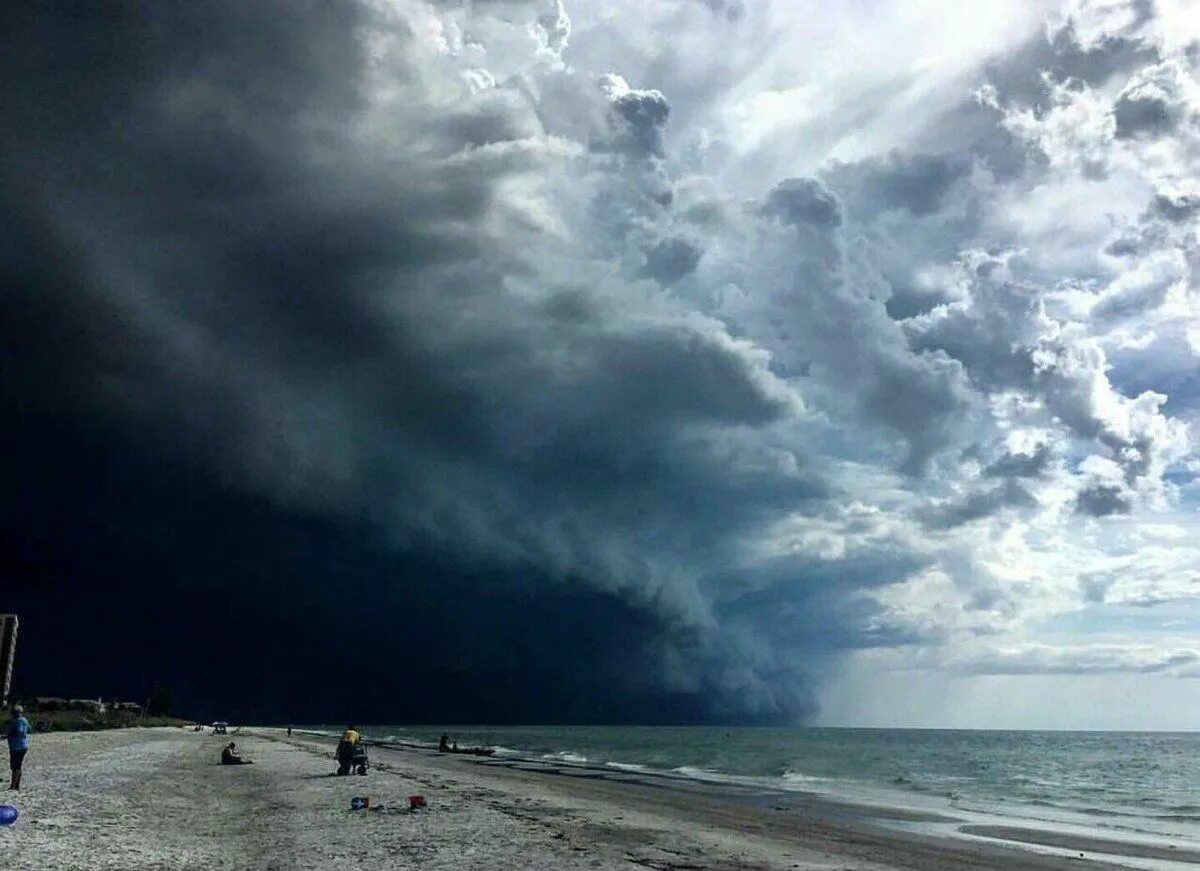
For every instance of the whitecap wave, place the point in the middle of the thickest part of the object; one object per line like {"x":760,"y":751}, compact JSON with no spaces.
{"x":799,"y":778}
{"x":699,"y":773}
{"x":566,"y":756}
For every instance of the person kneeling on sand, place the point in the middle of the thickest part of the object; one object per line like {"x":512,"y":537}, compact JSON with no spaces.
{"x":18,"y":743}
{"x":346,"y":747}
{"x":229,"y":756}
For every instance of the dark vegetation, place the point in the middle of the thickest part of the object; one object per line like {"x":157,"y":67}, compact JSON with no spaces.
{"x":83,"y":721}
{"x":63,"y":715}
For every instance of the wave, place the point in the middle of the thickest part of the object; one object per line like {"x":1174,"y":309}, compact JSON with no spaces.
{"x":1114,"y":812}
{"x":566,"y":756}
{"x":699,"y":773}
{"x":799,"y":777}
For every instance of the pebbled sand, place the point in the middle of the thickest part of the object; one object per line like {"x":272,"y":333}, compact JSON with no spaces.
{"x":157,"y":798}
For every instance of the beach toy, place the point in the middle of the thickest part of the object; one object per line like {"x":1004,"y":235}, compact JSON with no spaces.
{"x":416,"y":801}
{"x":360,"y":803}
{"x":8,"y":815}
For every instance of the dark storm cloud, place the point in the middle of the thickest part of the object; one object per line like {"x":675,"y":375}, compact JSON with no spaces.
{"x":454,"y":354}
{"x":980,"y":504}
{"x":1093,"y":586}
{"x":1138,"y":241}
{"x":212,"y":260}
{"x":995,"y":333}
{"x":1020,"y":465}
{"x":731,"y":10}
{"x":1175,"y":209}
{"x":916,"y":184}
{"x":671,"y":259}
{"x":1027,"y":76}
{"x":801,"y":201}
{"x":809,"y":609}
{"x":905,"y":303}
{"x":1102,"y":499}
{"x":989,"y":333}
{"x":1134,"y":301}
{"x":923,"y":398}
{"x":827,"y":324}
{"x":1142,"y":115}
{"x":642,"y":118}
{"x":255,"y":613}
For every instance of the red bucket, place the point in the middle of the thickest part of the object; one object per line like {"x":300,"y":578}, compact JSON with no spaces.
{"x":416,"y":801}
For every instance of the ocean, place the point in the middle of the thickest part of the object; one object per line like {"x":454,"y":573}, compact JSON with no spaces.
{"x":1113,"y":784}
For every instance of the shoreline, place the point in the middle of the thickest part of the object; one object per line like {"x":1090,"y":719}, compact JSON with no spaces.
{"x":157,"y":798}
{"x":1059,"y":839}
{"x":1047,"y":838}
{"x":881,"y":808}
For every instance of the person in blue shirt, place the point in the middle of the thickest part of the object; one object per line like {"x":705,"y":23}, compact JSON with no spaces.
{"x":18,"y":743}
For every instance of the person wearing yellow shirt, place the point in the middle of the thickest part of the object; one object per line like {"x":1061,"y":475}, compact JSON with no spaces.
{"x":351,"y":738}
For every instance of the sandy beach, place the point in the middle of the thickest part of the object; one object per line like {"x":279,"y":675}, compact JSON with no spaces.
{"x":157,"y":798}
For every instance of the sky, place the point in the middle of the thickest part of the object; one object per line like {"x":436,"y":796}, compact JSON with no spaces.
{"x":684,"y":361}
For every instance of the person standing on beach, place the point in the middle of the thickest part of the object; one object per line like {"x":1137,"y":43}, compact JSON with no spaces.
{"x":18,"y":743}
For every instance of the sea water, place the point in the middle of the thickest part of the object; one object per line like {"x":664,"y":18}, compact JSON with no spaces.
{"x":1122,"y":783}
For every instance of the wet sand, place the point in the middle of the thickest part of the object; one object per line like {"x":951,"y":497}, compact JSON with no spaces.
{"x":1082,"y":843}
{"x":159,"y":799}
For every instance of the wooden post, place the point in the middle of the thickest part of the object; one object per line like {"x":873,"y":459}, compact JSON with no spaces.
{"x":8,"y":653}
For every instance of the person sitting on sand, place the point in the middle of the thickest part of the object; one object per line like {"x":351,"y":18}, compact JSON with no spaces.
{"x":345,"y":749}
{"x":18,"y":743}
{"x":229,"y":756}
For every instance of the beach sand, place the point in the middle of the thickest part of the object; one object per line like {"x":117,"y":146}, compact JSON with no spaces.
{"x":157,"y":798}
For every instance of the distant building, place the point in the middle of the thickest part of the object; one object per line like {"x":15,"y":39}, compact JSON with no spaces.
{"x":92,"y":706}
{"x":8,"y":653}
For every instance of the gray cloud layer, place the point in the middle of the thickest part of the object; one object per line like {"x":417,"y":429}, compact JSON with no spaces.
{"x":475,"y":294}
